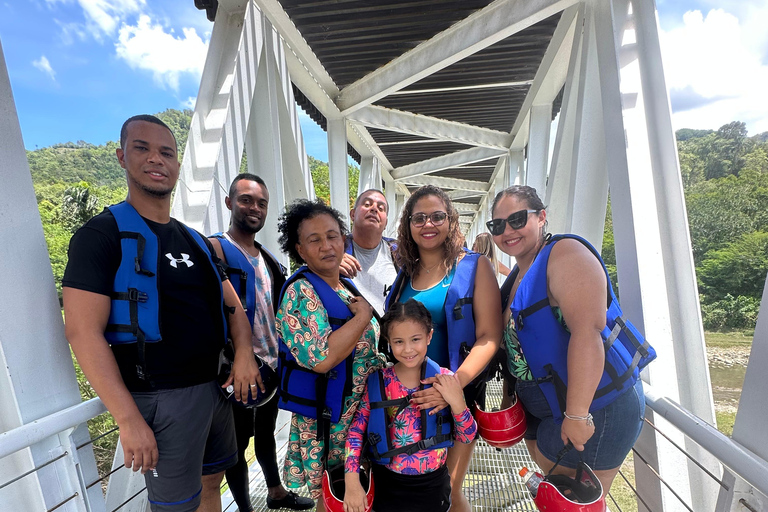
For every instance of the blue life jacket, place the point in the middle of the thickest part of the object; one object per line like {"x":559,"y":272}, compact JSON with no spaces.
{"x":439,"y":426}
{"x":459,"y":315}
{"x":242,"y":276}
{"x":544,"y":341}
{"x":134,"y":315}
{"x":303,"y":391}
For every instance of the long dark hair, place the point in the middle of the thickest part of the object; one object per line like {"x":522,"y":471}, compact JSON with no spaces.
{"x":408,"y":251}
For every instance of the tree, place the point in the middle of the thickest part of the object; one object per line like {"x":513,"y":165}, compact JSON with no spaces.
{"x":738,"y":269}
{"x":78,"y":205}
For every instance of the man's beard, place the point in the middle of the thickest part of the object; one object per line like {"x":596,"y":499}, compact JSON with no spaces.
{"x":160,"y":193}
{"x":243,"y":225}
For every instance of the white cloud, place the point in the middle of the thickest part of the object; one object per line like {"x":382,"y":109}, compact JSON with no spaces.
{"x":189,"y":103}
{"x":71,"y":32}
{"x":102,"y":17}
{"x":105,"y":15}
{"x":715,"y":73}
{"x":45,"y":66}
{"x":148,"y":47}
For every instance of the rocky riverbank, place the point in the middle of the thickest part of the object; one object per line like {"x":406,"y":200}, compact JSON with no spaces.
{"x":727,"y":367}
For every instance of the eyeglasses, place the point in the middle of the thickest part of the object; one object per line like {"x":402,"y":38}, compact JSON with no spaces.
{"x":517,"y":220}
{"x":420,"y":219}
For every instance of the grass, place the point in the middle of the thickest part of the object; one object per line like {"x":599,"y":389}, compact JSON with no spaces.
{"x":729,"y":339}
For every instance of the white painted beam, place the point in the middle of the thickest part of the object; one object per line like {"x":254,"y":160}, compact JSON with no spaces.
{"x":487,"y":26}
{"x":552,"y":72}
{"x":337,"y":166}
{"x":538,"y":146}
{"x":450,"y":183}
{"x":431,"y":127}
{"x":439,"y":163}
{"x":478,"y":87}
{"x":465,"y":207}
{"x":298,"y":45}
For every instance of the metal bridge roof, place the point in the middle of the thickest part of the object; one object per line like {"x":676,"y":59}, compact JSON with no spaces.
{"x":346,"y":46}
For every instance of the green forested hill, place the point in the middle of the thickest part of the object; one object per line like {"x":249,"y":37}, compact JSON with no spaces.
{"x":725,"y":178}
{"x":75,"y":180}
{"x":724,"y":173}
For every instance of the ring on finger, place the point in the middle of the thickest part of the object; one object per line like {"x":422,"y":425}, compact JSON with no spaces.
{"x":253,"y":385}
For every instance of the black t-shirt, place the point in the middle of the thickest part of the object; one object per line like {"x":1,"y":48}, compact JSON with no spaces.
{"x":190,"y":301}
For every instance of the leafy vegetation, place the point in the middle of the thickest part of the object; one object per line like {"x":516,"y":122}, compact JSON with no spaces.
{"x":725,"y":179}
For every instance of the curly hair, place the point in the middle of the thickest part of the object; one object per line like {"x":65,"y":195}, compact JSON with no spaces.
{"x":296,"y":213}
{"x":403,"y":311}
{"x":408,"y":251}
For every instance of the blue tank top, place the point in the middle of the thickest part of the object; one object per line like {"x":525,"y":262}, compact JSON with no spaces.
{"x":433,"y":299}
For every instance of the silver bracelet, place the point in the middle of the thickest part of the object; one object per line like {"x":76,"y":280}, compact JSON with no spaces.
{"x":587,"y":418}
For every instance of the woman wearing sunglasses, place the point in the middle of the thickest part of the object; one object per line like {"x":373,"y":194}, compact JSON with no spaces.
{"x":573,"y":389}
{"x":456,"y":287}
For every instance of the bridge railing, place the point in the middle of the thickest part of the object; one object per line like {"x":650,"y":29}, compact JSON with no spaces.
{"x":736,"y":458}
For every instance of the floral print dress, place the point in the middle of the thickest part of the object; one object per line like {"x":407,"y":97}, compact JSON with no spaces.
{"x":302,"y":323}
{"x":406,"y":429}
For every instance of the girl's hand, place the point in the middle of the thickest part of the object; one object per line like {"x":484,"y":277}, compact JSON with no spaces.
{"x":450,"y":389}
{"x":354,"y":494}
{"x":429,"y":398}
{"x":577,"y":432}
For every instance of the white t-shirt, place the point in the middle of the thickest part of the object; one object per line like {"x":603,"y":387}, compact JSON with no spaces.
{"x":378,"y":273}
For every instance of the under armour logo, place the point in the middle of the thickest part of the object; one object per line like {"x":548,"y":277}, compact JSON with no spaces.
{"x":175,"y":261}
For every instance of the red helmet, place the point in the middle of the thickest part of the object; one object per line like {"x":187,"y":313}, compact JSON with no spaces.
{"x":585,"y":492}
{"x":501,"y":429}
{"x":333,"y":488}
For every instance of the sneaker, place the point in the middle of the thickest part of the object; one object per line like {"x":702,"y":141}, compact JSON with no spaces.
{"x":292,"y":501}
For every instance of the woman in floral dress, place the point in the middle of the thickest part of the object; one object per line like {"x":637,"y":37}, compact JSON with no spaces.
{"x":313,"y":234}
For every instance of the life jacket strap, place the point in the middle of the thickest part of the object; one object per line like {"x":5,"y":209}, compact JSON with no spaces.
{"x":457,"y":314}
{"x":410,"y":449}
{"x":243,"y":278}
{"x":133,"y":296}
{"x":140,"y":244}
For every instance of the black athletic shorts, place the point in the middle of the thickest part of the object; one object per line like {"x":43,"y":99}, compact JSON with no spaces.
{"x":195,"y":435}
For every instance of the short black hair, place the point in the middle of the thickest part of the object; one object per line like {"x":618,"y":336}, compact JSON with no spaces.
{"x":296,"y":213}
{"x":149,"y":119}
{"x":245,"y":176}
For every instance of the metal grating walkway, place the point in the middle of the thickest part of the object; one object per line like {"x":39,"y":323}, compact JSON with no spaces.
{"x":492,"y":484}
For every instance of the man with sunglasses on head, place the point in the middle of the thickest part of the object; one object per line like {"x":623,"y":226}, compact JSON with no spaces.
{"x":369,"y":258}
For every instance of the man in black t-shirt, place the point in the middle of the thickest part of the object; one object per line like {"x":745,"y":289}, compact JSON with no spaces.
{"x":157,"y":373}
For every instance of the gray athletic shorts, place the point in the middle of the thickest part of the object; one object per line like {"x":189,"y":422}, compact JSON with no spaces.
{"x":195,"y":435}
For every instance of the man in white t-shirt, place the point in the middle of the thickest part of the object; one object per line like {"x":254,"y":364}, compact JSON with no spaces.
{"x":369,"y":258}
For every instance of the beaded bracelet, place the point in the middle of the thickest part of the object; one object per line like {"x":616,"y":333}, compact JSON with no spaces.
{"x":587,"y":418}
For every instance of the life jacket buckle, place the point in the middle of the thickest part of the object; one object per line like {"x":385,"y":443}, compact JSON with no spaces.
{"x":327,"y":413}
{"x":519,"y":325}
{"x":332,"y":374}
{"x":425,"y":444}
{"x":135,"y":295}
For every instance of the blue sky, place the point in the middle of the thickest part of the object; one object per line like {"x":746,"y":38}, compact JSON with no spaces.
{"x":78,"y":68}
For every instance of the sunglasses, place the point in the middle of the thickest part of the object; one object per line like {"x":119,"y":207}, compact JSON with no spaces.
{"x":517,"y":220}
{"x":420,"y":219}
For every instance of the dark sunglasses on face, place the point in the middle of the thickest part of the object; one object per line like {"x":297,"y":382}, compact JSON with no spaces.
{"x":517,"y":220}
{"x":420,"y":219}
